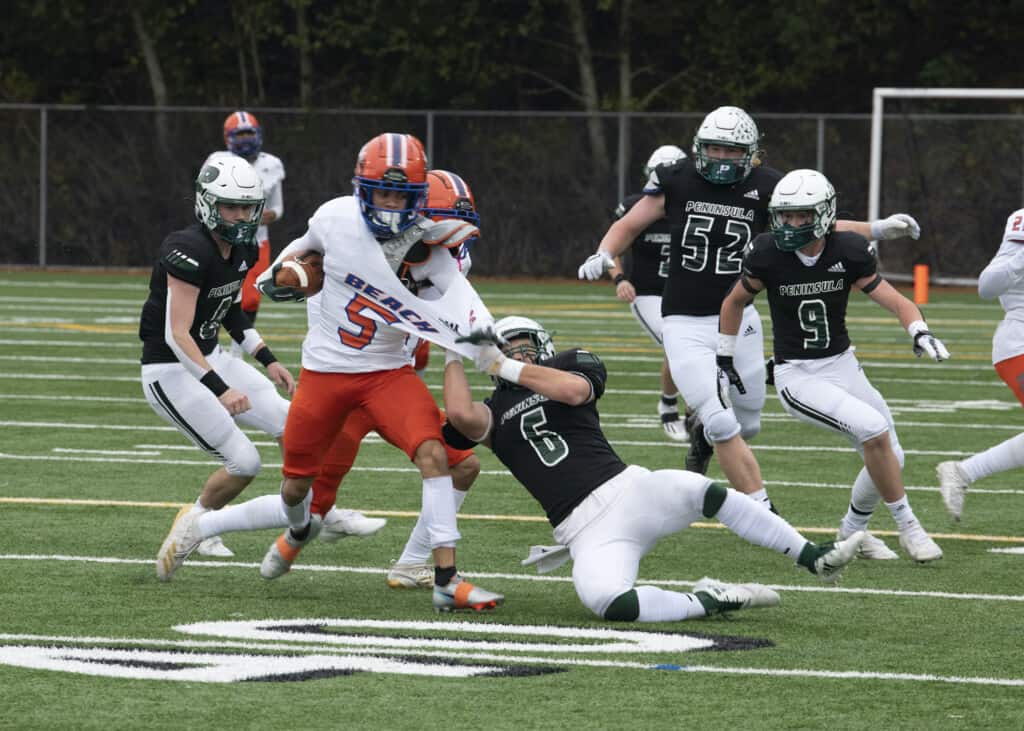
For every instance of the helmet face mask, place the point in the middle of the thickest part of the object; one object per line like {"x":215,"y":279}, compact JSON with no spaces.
{"x":726,"y":127}
{"x":229,"y":179}
{"x":391,"y":162}
{"x":664,"y":155}
{"x":802,"y":190}
{"x":243,"y":135}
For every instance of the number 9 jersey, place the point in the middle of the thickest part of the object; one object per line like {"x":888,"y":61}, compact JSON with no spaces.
{"x":711,"y":225}
{"x":808,"y":303}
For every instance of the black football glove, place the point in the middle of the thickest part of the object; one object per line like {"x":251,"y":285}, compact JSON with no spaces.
{"x":727,"y":368}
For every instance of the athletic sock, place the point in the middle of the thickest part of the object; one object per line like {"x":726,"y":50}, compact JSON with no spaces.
{"x":266,"y":511}
{"x":659,"y":605}
{"x":753,"y":522}
{"x":902,"y":513}
{"x":1004,"y":456}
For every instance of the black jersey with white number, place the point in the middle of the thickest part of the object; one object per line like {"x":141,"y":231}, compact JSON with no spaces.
{"x":648,"y":256}
{"x":192,"y":256}
{"x":710,"y":225}
{"x":558,"y":452}
{"x":808,"y":303}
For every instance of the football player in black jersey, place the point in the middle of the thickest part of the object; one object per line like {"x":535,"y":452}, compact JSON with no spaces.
{"x":716,"y":203}
{"x":195,"y":288}
{"x":809,"y":270}
{"x":542,"y":423}
{"x":643,"y":285}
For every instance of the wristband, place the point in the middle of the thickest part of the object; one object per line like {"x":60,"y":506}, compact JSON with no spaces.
{"x":264,"y":356}
{"x":917,"y":326}
{"x":876,"y":229}
{"x":619,"y":278}
{"x":726,"y":345}
{"x":214,"y":382}
{"x":450,"y":356}
{"x":510,"y":370}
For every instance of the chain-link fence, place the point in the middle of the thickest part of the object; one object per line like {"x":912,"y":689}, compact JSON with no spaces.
{"x":102,"y":186}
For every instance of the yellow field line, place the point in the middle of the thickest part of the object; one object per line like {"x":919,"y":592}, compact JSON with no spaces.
{"x":467,"y":516}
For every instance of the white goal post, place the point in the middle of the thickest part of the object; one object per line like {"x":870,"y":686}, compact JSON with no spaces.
{"x":877,"y":115}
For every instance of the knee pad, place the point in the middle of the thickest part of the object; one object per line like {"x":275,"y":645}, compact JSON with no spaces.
{"x":240,"y":456}
{"x":721,"y":426}
{"x":749,"y":428}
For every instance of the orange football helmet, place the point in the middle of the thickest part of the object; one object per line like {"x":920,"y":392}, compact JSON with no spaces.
{"x":242,"y":134}
{"x":449,"y":196}
{"x":391,"y":162}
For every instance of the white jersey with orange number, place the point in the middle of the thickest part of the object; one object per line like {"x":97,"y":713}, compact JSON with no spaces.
{"x":1004,"y":277}
{"x":345,"y":334}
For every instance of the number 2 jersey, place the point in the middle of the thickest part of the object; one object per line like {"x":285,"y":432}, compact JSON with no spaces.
{"x":558,"y":452}
{"x":192,"y":255}
{"x":711,"y":225}
{"x":808,"y":303}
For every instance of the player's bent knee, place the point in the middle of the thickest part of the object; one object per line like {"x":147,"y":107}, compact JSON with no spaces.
{"x":431,"y":457}
{"x":464,"y":473}
{"x":721,"y":426}
{"x":624,"y":608}
{"x":714,"y":498}
{"x":242,"y":459}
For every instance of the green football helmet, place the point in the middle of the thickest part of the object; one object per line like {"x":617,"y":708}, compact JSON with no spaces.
{"x":726,"y":127}
{"x":802,"y":190}
{"x":228,"y":178}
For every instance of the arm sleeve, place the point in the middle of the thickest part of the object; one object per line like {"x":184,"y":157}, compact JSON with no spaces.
{"x":1002,"y":273}
{"x":454,"y":438}
{"x":275,"y":200}
{"x":236,"y":322}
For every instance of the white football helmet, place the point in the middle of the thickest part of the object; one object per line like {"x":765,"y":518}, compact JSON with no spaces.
{"x":664,"y":155}
{"x":228,"y":178}
{"x":727,"y":127}
{"x":513,"y":327}
{"x":802,"y":190}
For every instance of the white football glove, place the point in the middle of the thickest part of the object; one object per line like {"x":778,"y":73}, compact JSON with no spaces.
{"x":925,"y":343}
{"x":895,"y":226}
{"x":595,"y":266}
{"x":547,"y":558}
{"x":489,"y":359}
{"x":483,"y":335}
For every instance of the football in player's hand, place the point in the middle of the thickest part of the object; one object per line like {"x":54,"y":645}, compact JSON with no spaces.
{"x":303,"y":272}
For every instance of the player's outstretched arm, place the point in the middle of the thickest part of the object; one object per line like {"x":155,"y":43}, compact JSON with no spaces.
{"x":562,"y":386}
{"x":909,"y":315}
{"x":896,"y":226}
{"x":471,"y":418}
{"x":621,"y":234}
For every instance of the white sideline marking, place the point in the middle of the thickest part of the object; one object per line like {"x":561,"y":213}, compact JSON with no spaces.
{"x":210,"y":564}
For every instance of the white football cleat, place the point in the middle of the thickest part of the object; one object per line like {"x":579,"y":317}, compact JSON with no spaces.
{"x":737,"y":596}
{"x":919,"y":545}
{"x":873,"y":548}
{"x":181,"y":541}
{"x":411,"y":576}
{"x":829,"y":565}
{"x":953,"y":487}
{"x":339,"y":523}
{"x":214,"y":547}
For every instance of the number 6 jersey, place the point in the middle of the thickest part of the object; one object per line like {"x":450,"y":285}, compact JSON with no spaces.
{"x":192,"y":256}
{"x":558,"y":452}
{"x":808,"y":303}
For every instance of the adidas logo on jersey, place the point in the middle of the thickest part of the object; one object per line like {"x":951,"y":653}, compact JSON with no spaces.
{"x":749,"y":331}
{"x":752,"y":194}
{"x":837,"y":267}
{"x":243,"y":267}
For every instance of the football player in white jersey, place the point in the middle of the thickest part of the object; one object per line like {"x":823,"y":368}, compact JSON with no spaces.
{"x":448,"y":198}
{"x":352,"y":361}
{"x":542,"y":422}
{"x":243,"y":136}
{"x":643,"y":285}
{"x":809,"y":270}
{"x":1002,"y":278}
{"x":716,"y":203}
{"x":195,"y":288}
